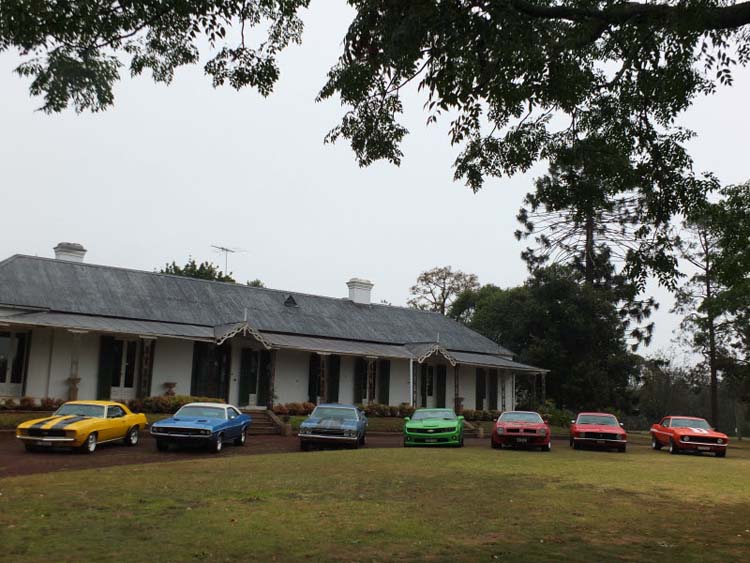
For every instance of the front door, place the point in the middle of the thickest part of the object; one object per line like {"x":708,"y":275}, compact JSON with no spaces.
{"x":440,"y":387}
{"x":211,"y":366}
{"x":124,"y":375}
{"x":264,"y":379}
{"x":13,"y":348}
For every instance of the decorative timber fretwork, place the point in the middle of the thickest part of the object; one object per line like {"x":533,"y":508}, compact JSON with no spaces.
{"x":226,"y":331}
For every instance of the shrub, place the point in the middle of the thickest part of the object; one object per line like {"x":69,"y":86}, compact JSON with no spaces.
{"x":555,"y":416}
{"x":50,"y":404}
{"x":167,"y":405}
{"x":9,"y":404}
{"x":307,"y":408}
{"x":405,"y":409}
{"x":27,"y":403}
{"x":280,"y":410}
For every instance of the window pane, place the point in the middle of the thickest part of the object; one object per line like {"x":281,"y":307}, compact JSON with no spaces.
{"x":4,"y":355}
{"x":16,"y":374}
{"x":117,"y":363}
{"x":130,"y":364}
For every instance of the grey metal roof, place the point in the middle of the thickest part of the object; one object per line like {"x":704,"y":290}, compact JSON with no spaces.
{"x":331,"y":346}
{"x":492,"y":361}
{"x":94,"y":290}
{"x":110,"y":325}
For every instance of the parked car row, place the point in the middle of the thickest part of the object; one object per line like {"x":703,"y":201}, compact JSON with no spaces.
{"x":83,"y":425}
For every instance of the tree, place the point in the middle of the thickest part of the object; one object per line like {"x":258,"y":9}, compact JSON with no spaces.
{"x":255,"y":283}
{"x":436,"y":289}
{"x":204,"y":271}
{"x":584,"y":214}
{"x":554,"y":322}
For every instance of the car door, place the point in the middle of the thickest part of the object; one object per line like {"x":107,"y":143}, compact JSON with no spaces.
{"x":234,"y":426}
{"x":361,"y":423}
{"x":116,"y":425}
{"x":663,"y":432}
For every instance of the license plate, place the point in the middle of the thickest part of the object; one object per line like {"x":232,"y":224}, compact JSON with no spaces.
{"x":42,"y":443}
{"x":521,"y":440}
{"x":704,"y":448}
{"x":431,"y":440}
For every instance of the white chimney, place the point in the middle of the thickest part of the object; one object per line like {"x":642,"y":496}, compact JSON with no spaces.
{"x":359,"y":290}
{"x":70,"y":251}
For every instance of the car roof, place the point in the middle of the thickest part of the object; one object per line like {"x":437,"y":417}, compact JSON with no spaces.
{"x":520,"y":412}
{"x":101,"y":403}
{"x":597,"y":413}
{"x":222,"y":405}
{"x":688,"y":417}
{"x":337,"y":405}
{"x":434,"y":409}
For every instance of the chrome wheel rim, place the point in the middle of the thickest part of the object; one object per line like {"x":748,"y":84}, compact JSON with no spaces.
{"x":243,"y":437}
{"x":134,"y":437}
{"x":218,"y":444}
{"x":91,"y":442}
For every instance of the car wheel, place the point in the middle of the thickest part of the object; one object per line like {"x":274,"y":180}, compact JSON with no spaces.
{"x":363,"y":441}
{"x":672,"y":447}
{"x":548,"y":447}
{"x":89,"y":446}
{"x":30,"y":448}
{"x":242,"y":438}
{"x":162,"y":446}
{"x":494,"y":445}
{"x":461,"y":443}
{"x":622,"y":449}
{"x":304,"y":446}
{"x":131,"y":438}
{"x":576,"y":445}
{"x":217,"y":444}
{"x":655,"y":445}
{"x":721,"y":454}
{"x":355,"y":445}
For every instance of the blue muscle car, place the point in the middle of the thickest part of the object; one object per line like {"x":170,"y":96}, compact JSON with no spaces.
{"x":333,"y":424}
{"x":206,"y":424}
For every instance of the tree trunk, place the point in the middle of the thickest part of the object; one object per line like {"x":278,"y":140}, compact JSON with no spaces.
{"x":711,"y":321}
{"x":589,"y":250}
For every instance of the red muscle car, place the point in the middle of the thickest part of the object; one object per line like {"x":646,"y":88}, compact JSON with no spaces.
{"x":521,"y":429}
{"x":598,"y":430}
{"x":687,"y":433}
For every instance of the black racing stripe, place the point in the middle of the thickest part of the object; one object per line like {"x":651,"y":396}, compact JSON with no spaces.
{"x":67,"y":421}
{"x":43,"y":422}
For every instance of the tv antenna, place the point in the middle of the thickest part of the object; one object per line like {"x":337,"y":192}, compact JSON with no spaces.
{"x":226,"y":251}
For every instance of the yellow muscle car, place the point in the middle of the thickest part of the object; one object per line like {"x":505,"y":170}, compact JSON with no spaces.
{"x":83,"y":425}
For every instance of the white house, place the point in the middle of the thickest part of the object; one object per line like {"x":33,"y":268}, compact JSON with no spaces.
{"x":69,"y":329}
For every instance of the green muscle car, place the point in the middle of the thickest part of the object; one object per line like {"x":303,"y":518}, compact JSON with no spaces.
{"x":434,"y":427}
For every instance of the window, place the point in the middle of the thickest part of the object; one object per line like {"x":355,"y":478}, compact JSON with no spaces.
{"x":13,"y":351}
{"x":665,"y":423}
{"x":115,"y":412}
{"x":233,"y":413}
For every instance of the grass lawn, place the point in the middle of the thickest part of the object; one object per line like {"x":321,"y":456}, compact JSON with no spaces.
{"x":388,"y":504}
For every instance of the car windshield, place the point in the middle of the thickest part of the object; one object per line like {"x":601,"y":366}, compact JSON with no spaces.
{"x":520,"y":417}
{"x":603,"y":419}
{"x":690,"y":423}
{"x":334,"y":412}
{"x":440,"y":414}
{"x":201,"y":412}
{"x":81,"y":410}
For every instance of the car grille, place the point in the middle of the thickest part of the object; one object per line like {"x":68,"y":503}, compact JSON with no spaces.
{"x":180,"y":431}
{"x":519,"y":430}
{"x":599,"y":435}
{"x":329,"y":431}
{"x":431,"y":441}
{"x":430,"y":430}
{"x":59,"y":433}
{"x":702,"y":440}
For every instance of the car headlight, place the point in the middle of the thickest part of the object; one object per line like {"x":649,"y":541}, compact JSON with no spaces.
{"x":621,"y":436}
{"x":206,"y":432}
{"x":155,"y":429}
{"x":543,"y":431}
{"x":499,"y":429}
{"x":719,"y":441}
{"x":350,"y":433}
{"x":686,"y":438}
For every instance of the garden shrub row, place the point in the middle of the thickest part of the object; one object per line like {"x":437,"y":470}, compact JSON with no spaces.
{"x":167,"y":404}
{"x":30,"y":404}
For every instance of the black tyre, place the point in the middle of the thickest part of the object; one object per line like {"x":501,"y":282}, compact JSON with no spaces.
{"x":304,"y":446}
{"x":721,"y":454}
{"x":673,"y":447}
{"x":548,"y":447}
{"x":576,"y":445}
{"x":162,"y":446}
{"x":89,"y":446}
{"x":655,"y":445}
{"x":240,"y":441}
{"x":217,"y":445}
{"x":571,"y":442}
{"x":461,"y":443}
{"x":494,"y":445}
{"x":30,"y":448}
{"x":622,"y":449}
{"x":132,"y":437}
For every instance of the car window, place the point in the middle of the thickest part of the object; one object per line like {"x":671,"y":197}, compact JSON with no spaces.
{"x":115,"y":412}
{"x":232,"y":412}
{"x":665,"y":423}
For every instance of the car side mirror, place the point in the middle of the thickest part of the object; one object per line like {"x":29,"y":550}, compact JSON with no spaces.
{"x":545,"y":419}
{"x":621,"y":424}
{"x":407,"y":419}
{"x":572,"y":421}
{"x":460,"y":417}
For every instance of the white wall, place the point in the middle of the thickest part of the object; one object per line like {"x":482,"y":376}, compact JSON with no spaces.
{"x":399,"y":388}
{"x":292,"y":373}
{"x":39,"y":364}
{"x":173,"y":361}
{"x":346,"y":380}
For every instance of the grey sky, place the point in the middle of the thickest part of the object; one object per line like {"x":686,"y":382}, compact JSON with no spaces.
{"x":171,"y":170}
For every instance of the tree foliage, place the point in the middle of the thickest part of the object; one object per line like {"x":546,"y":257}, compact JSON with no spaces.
{"x":74,"y":51}
{"x":191,"y":269}
{"x":554,"y":322}
{"x":436,"y":289}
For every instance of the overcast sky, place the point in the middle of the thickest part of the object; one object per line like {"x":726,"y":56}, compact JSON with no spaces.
{"x":169,"y":171}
